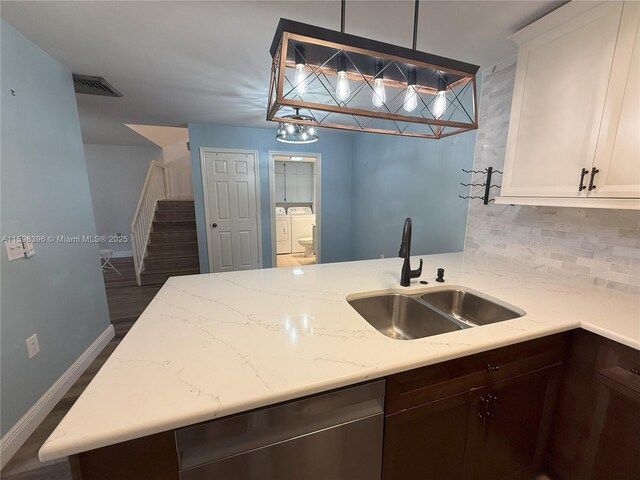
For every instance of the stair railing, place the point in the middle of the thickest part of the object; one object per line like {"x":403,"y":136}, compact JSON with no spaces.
{"x":154,"y":189}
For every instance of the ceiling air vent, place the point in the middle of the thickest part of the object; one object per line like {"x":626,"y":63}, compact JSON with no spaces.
{"x":94,"y":86}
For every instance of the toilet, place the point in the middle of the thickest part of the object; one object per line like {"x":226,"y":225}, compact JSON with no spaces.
{"x":307,"y":243}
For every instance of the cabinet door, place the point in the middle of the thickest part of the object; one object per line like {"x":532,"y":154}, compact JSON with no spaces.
{"x":513,"y":418}
{"x":558,"y":100}
{"x":617,"y":421}
{"x":280,"y":195}
{"x":618,"y":152}
{"x":428,"y":441}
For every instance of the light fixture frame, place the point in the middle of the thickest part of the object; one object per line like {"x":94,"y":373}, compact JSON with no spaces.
{"x":291,"y":31}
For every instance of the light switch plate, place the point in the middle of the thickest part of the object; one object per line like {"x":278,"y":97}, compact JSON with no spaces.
{"x":29,"y":251}
{"x":32,"y":345}
{"x":15,"y":249}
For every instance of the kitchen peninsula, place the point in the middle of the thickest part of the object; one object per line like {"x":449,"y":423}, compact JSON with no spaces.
{"x":210,"y":346}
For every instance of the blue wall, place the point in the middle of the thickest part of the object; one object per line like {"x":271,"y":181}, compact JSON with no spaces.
{"x":59,"y":293}
{"x":398,"y":177}
{"x":336,"y":151}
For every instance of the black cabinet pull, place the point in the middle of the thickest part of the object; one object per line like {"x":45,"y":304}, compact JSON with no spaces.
{"x":582,"y":186}
{"x":214,"y":225}
{"x":594,"y":170}
{"x":635,"y":371}
{"x":492,"y":368}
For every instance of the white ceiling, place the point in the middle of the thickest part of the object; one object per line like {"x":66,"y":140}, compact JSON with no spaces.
{"x":208,"y":62}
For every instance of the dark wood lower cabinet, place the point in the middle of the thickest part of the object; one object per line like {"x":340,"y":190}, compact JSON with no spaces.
{"x":618,"y":423}
{"x":488,"y":433}
{"x":147,"y":458}
{"x":567,"y":405}
{"x":428,"y":441}
{"x":511,"y":426}
{"x":596,"y":430}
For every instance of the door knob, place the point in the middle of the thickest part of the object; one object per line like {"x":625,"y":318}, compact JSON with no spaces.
{"x":214,"y":225}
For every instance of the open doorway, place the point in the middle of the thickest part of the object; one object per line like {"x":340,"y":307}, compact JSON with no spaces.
{"x":294,"y":180}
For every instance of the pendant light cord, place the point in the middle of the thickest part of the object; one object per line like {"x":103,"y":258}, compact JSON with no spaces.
{"x":415,"y":24}
{"x":343,"y":5}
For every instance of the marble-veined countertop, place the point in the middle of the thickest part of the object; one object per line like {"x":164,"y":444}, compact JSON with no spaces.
{"x":216,"y":344}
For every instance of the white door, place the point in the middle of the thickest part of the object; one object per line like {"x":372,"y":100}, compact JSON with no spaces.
{"x":231,"y":209}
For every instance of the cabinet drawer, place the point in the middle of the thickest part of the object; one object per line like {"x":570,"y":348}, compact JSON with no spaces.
{"x":426,"y":384}
{"x":619,"y":363}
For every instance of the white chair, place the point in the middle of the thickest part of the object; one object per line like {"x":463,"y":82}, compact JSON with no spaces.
{"x":105,"y":260}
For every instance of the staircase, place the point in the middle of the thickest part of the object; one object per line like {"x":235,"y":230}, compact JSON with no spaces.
{"x":172,"y":248}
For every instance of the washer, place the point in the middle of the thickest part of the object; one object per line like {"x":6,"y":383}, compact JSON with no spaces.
{"x":283,"y":231}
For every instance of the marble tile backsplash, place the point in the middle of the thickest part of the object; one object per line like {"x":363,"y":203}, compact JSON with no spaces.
{"x":591,"y":245}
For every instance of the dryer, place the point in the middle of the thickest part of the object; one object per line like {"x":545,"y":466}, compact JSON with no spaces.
{"x":302,"y":222}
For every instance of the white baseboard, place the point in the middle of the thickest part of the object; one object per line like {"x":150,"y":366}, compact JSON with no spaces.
{"x":179,"y":196}
{"x":21,"y":431}
{"x":122,"y":254}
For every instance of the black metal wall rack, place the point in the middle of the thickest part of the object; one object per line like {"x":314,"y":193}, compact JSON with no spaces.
{"x":489,"y":171}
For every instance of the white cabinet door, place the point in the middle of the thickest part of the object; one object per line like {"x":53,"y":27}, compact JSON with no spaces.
{"x":618,"y":152}
{"x":279,"y":187}
{"x":559,"y":95}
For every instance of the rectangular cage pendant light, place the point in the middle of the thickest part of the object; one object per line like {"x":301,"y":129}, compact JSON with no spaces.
{"x":337,"y":80}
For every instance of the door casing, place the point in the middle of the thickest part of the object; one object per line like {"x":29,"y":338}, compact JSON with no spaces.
{"x":317,"y":201}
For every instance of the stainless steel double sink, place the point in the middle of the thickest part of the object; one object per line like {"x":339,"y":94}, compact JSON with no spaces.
{"x":406,"y":317}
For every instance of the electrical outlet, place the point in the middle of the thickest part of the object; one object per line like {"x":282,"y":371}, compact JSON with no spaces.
{"x":32,"y":345}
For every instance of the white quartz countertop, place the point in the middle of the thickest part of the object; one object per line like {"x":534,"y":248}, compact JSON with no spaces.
{"x":217,"y":344}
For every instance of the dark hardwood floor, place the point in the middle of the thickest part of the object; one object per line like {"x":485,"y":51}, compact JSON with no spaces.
{"x":126,"y":302}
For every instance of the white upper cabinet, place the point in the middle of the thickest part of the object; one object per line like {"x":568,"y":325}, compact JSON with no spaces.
{"x":294,"y":182}
{"x":576,"y":108}
{"x":618,"y":151}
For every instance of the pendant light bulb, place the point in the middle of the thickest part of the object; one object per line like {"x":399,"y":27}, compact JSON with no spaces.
{"x":410,"y":98}
{"x":290,"y":128}
{"x":342,"y":86}
{"x":411,"y":95}
{"x":440,"y":104}
{"x":379,"y":95}
{"x":301,"y":78}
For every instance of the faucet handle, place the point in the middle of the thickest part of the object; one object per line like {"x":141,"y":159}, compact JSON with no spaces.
{"x":418,"y":272}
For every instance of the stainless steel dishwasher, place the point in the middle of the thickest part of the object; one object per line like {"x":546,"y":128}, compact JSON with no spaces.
{"x":330,"y":436}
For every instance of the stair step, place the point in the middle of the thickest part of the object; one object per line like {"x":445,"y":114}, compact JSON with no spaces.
{"x":162,"y":264}
{"x":173,"y":226}
{"x":185,"y":215}
{"x":157,"y":238}
{"x":154,"y":278}
{"x":171,"y":249}
{"x":175,"y":205}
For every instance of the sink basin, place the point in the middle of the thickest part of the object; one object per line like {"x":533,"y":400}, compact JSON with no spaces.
{"x":402,"y":317}
{"x":470,"y":308}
